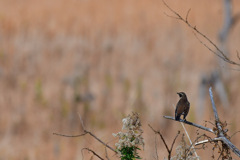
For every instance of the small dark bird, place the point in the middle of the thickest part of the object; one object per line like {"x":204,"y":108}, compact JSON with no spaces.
{"x":182,"y":107}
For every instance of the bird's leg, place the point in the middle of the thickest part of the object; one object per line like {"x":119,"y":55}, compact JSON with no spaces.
{"x":184,"y":117}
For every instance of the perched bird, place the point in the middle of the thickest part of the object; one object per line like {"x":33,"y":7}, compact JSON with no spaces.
{"x":182,"y":107}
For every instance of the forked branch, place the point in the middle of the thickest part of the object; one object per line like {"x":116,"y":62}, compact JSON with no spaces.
{"x":220,"y":132}
{"x":84,"y":133}
{"x":94,"y":153}
{"x":169,"y":150}
{"x":219,"y":52}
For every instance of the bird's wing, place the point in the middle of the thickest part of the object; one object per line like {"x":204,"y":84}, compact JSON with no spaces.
{"x":176,"y":109}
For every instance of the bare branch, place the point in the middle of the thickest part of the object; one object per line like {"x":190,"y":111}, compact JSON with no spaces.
{"x":188,"y":14}
{"x":210,"y":123}
{"x":158,"y":132}
{"x":170,"y":16}
{"x":174,"y":140}
{"x":218,"y":124}
{"x":64,"y":135}
{"x":219,"y":127}
{"x":194,"y":143}
{"x":190,"y":123}
{"x":166,"y":146}
{"x":156,"y":147}
{"x":205,"y":45}
{"x":81,"y":122}
{"x":213,"y":105}
{"x":202,"y":142}
{"x":219,"y":52}
{"x":178,"y":15}
{"x":230,"y":145}
{"x":209,"y":140}
{"x":234,"y":134}
{"x":106,"y":154}
{"x":86,"y":132}
{"x":94,"y":153}
{"x":102,"y":142}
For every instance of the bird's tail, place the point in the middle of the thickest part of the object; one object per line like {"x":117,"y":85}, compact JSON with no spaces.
{"x":177,"y":117}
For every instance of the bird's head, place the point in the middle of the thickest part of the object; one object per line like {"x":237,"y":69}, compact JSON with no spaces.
{"x":181,"y":94}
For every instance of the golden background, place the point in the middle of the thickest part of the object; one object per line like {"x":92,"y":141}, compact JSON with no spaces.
{"x":103,"y":60}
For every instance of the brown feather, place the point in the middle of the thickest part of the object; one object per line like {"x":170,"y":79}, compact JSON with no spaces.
{"x":182,"y":107}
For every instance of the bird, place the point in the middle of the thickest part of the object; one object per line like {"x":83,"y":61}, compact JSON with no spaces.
{"x":182,"y":107}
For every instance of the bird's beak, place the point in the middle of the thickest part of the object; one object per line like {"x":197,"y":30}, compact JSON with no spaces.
{"x":179,"y":94}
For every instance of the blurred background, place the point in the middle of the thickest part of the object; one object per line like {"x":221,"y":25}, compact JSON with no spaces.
{"x":103,"y":60}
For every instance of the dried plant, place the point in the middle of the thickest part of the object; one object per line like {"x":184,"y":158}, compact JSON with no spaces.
{"x":130,"y":140}
{"x":184,"y":151}
{"x":169,"y":149}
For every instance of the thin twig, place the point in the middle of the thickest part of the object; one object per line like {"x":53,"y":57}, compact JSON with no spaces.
{"x":210,"y":123}
{"x":90,"y":133}
{"x":194,"y":143}
{"x":106,"y":153}
{"x":94,"y":153}
{"x":234,"y":134}
{"x":166,"y":146}
{"x":174,"y":140}
{"x":208,"y":140}
{"x":158,"y":132}
{"x":86,"y":132}
{"x":64,"y":135}
{"x":102,"y":142}
{"x":202,"y":142}
{"x":81,"y":122}
{"x":220,"y":155}
{"x":188,"y":14}
{"x":205,"y":45}
{"x":194,"y":28}
{"x":156,"y":147}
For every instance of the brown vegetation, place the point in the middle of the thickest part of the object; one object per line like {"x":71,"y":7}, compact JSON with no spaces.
{"x":102,"y":59}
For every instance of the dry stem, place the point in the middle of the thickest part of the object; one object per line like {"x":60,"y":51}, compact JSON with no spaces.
{"x":84,"y":133}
